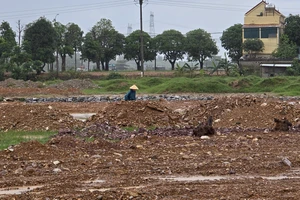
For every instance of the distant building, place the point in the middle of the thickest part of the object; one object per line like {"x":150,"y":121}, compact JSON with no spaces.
{"x":265,"y":22}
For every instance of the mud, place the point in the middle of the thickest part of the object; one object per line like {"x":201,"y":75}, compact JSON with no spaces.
{"x":158,"y":156}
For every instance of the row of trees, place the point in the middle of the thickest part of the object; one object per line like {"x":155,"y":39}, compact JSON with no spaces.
{"x":44,"y":42}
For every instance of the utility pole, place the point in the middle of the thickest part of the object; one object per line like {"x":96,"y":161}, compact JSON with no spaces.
{"x":142,"y":39}
{"x":141,"y":2}
{"x":20,"y":29}
{"x":56,"y":57}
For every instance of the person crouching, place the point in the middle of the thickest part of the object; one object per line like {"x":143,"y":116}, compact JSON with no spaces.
{"x":130,"y":95}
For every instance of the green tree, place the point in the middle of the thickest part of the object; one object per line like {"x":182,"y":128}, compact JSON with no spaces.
{"x":231,"y":69}
{"x":285,"y":50}
{"x":19,"y":56}
{"x":253,"y":46}
{"x":62,"y":47}
{"x":88,"y":49}
{"x":200,"y":45}
{"x":8,"y":40}
{"x":292,"y":28}
{"x":171,"y":44}
{"x":295,"y":69}
{"x":232,"y":41}
{"x":99,"y":34}
{"x":133,"y":50}
{"x":74,"y":38}
{"x":112,"y":45}
{"x":40,"y":42}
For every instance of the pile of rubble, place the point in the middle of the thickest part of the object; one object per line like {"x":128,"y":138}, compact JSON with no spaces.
{"x":22,"y":116}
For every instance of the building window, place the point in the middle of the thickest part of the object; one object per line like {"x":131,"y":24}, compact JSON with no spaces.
{"x":251,"y":32}
{"x":269,"y":32}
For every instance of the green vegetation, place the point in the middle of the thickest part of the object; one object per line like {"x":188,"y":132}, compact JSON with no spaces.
{"x":15,"y":137}
{"x":280,"y":85}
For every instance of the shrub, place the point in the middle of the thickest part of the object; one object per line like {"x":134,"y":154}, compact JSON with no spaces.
{"x":114,"y":75}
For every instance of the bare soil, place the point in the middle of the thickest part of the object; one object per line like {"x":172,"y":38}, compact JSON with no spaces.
{"x":160,"y":159}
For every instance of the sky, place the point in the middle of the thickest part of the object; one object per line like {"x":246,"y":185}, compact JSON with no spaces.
{"x":182,"y":15}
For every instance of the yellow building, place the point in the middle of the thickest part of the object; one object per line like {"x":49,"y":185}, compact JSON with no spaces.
{"x":265,"y":22}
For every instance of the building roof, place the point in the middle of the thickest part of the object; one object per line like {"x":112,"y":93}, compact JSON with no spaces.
{"x":262,"y":2}
{"x":276,"y":65}
{"x":260,"y":25}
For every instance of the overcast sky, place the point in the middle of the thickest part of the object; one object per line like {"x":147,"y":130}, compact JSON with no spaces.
{"x":182,"y":15}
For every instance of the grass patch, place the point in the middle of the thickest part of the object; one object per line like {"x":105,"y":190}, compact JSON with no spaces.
{"x":289,"y":90}
{"x":16,"y":137}
{"x":205,"y":84}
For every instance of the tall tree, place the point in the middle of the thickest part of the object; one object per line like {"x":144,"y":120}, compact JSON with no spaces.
{"x":63,"y":44}
{"x":89,"y":49}
{"x":74,"y":37}
{"x":232,"y":41}
{"x":112,"y":45}
{"x":292,"y":28}
{"x":99,"y":35}
{"x":40,"y":42}
{"x":133,"y":50}
{"x":9,"y":41}
{"x":286,"y":49}
{"x":20,"y":30}
{"x":107,"y":43}
{"x":253,"y":46}
{"x":171,"y":44}
{"x":200,"y":45}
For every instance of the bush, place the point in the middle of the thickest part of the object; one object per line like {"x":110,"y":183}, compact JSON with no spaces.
{"x":114,"y":75}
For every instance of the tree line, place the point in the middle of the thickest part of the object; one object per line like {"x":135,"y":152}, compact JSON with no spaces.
{"x":44,"y":42}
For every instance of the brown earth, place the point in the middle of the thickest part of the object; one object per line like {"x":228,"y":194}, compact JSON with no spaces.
{"x":160,"y":159}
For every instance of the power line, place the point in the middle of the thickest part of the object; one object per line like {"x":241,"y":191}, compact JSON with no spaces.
{"x":69,"y":9}
{"x":210,"y":5}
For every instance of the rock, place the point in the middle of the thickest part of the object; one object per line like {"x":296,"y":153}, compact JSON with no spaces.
{"x":287,"y":162}
{"x":100,"y":197}
{"x":133,"y":194}
{"x":57,"y":170}
{"x":18,"y":171}
{"x":56,"y":162}
{"x":205,"y":137}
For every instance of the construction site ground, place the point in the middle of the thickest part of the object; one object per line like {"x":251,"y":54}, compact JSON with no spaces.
{"x":147,"y":149}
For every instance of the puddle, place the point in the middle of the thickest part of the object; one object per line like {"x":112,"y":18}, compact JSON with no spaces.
{"x":98,"y":183}
{"x":215,"y":178}
{"x":195,"y":178}
{"x":117,"y":188}
{"x":17,"y":190}
{"x":82,"y":116}
{"x":94,"y":182}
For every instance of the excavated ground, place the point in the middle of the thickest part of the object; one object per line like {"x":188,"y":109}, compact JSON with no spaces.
{"x":159,"y":158}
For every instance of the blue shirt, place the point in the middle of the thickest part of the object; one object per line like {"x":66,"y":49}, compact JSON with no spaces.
{"x":130,"y":95}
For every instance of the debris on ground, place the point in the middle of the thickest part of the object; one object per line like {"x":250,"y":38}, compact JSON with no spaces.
{"x":147,"y":149}
{"x":282,"y":125}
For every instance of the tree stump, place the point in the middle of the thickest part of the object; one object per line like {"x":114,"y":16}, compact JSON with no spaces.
{"x":204,"y":129}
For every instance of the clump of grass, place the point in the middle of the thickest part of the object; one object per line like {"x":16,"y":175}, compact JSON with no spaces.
{"x":16,"y":137}
{"x":114,"y":75}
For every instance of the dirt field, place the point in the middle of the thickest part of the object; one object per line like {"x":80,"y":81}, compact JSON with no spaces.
{"x":161,"y":159}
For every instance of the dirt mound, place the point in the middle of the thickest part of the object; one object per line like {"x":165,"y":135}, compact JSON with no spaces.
{"x":74,"y":83}
{"x":19,"y":88}
{"x":229,"y":112}
{"x":137,"y":114}
{"x":22,"y":116}
{"x":13,"y":83}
